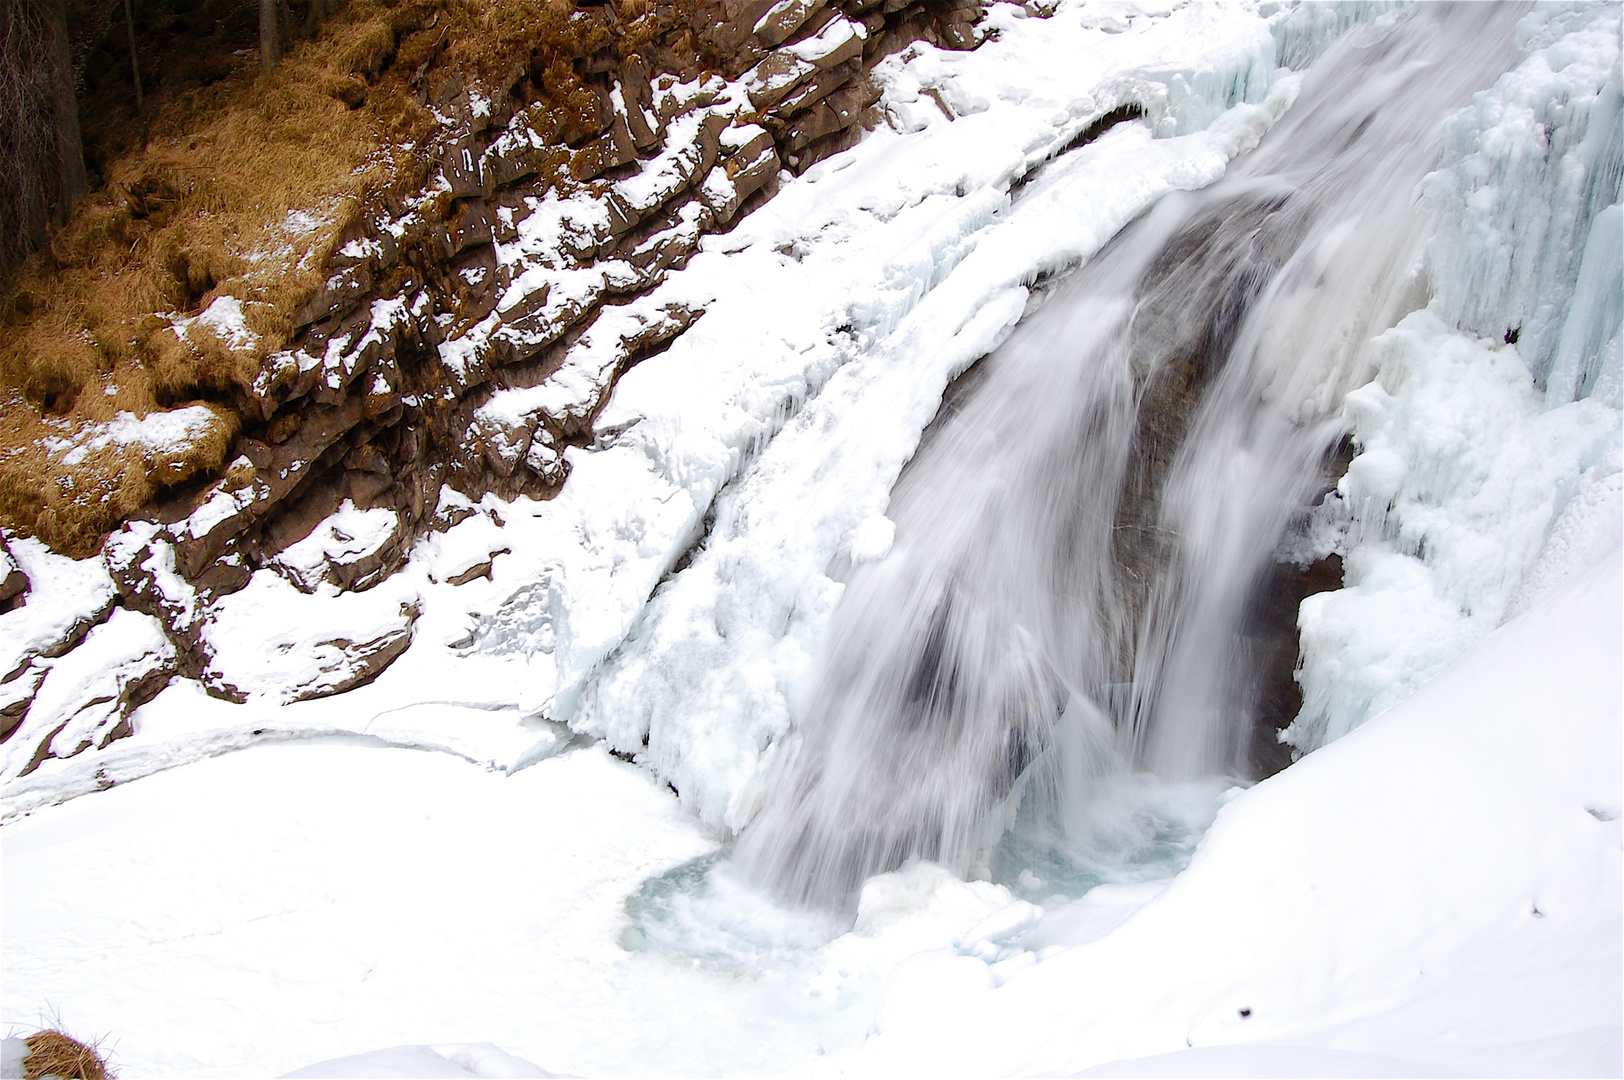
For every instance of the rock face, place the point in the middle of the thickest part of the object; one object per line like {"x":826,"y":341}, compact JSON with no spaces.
{"x":466,"y":335}
{"x":56,"y":613}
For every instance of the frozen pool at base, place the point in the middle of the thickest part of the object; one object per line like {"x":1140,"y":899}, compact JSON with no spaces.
{"x":303,"y":901}
{"x":702,"y":910}
{"x":1134,"y":830}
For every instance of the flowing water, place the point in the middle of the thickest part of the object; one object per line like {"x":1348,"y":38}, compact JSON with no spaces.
{"x":1084,"y":530}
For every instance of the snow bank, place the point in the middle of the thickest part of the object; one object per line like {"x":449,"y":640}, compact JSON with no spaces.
{"x":65,"y":598}
{"x":163,"y":434}
{"x":345,"y":536}
{"x":277,"y":644}
{"x":301,"y":902}
{"x":81,"y":699}
{"x":773,"y":428}
{"x":1440,"y":887}
{"x":443,"y":1060}
{"x":1461,"y":475}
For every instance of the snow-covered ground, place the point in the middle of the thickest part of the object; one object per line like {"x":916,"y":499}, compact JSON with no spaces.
{"x":1437,"y":892}
{"x":263,"y":910}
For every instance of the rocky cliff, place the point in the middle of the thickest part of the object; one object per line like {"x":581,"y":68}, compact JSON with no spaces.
{"x":469,"y":331}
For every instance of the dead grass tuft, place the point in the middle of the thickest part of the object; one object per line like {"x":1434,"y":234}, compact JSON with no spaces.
{"x":53,"y":1053}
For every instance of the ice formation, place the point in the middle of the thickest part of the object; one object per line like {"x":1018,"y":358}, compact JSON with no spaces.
{"x":736,"y":475}
{"x":1496,"y":408}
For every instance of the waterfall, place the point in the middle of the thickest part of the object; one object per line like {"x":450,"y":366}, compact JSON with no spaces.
{"x":1083,"y":532}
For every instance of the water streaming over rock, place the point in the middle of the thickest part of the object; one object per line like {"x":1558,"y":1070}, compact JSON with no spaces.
{"x":1083,"y":533}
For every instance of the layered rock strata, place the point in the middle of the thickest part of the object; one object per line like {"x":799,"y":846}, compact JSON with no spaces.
{"x":468,"y":334}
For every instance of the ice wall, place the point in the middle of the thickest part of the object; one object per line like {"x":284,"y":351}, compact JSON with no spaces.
{"x":1526,"y":170}
{"x":1488,"y":469}
{"x":1302,"y":31}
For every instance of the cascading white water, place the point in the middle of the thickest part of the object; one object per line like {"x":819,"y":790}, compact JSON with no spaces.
{"x":1082,"y":534}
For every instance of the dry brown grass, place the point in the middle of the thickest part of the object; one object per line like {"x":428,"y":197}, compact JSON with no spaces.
{"x":202,"y":210}
{"x":53,"y":1053}
{"x":240,"y":189}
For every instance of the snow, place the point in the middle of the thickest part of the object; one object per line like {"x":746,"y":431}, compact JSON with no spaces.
{"x":669,"y":171}
{"x":1261,"y":1061}
{"x":707,"y":677}
{"x":444,"y":1059}
{"x":362,"y":247}
{"x":779,"y":9}
{"x":164,"y":432}
{"x":323,"y":889}
{"x":824,"y":43}
{"x":337,"y":896}
{"x":224,"y":316}
{"x":872,"y":235}
{"x":222,"y":504}
{"x":344,"y":536}
{"x":78,"y":701}
{"x":1483,"y":465}
{"x":270,"y":642}
{"x":64,"y":596}
{"x":1461,"y":474}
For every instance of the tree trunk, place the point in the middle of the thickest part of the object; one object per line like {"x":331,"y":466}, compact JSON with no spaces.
{"x":135,"y":64}
{"x":270,"y":34}
{"x":65,"y":112}
{"x":27,"y":143}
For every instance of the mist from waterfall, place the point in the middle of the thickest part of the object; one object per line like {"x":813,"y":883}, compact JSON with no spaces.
{"x":1084,"y":531}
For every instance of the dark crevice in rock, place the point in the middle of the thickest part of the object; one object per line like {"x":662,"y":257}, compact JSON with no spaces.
{"x":1273,"y":645}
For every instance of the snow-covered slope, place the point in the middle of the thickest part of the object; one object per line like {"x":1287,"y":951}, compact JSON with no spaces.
{"x":1437,"y":891}
{"x":1441,"y":886}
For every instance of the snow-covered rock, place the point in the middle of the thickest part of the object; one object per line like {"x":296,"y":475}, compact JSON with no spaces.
{"x":84,"y":699}
{"x":272,"y":641}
